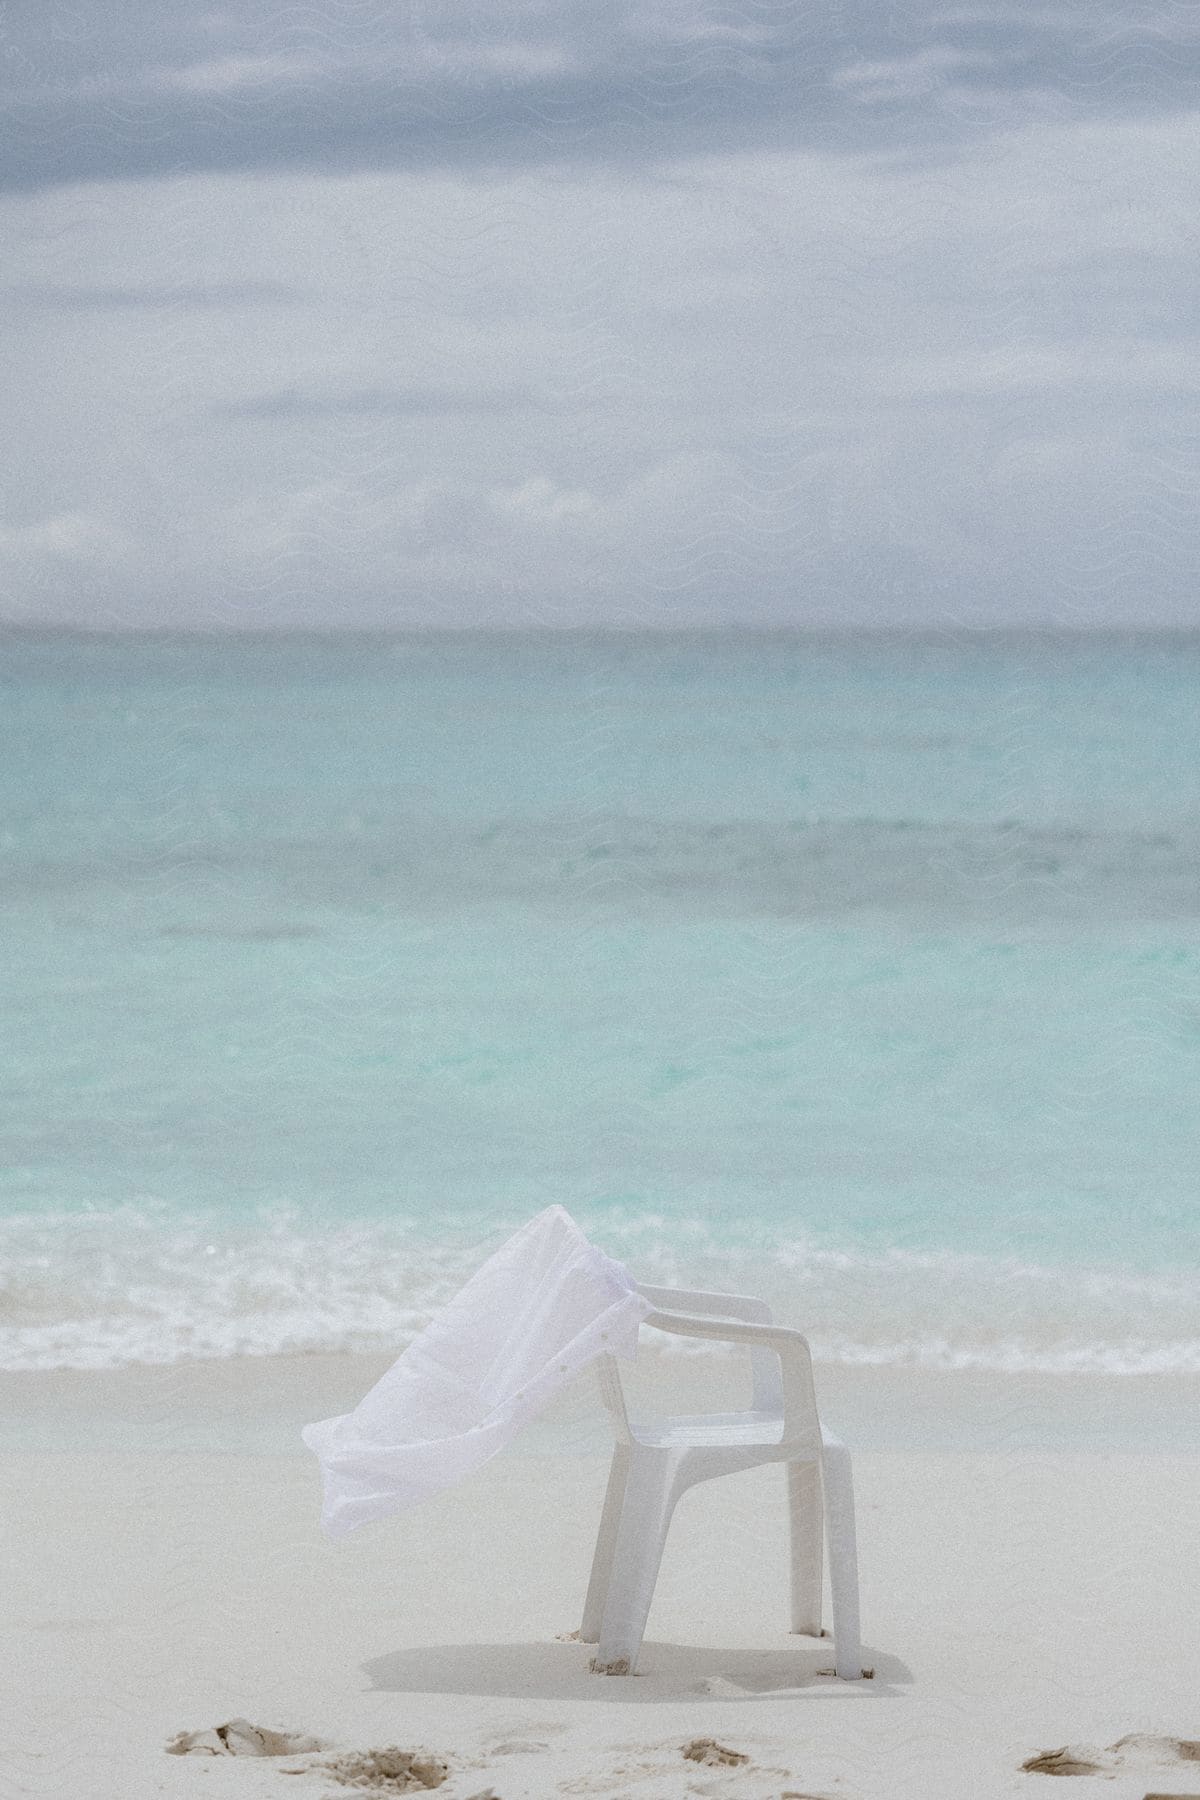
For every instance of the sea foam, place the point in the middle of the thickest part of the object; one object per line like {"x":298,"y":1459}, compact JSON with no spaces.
{"x":108,"y":1289}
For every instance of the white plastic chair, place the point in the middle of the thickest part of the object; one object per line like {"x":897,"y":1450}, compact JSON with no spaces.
{"x":656,"y":1461}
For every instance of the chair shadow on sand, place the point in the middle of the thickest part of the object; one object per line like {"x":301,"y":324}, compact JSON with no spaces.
{"x":559,"y":1670}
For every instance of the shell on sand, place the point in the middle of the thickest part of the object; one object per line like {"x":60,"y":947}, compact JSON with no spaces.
{"x":238,"y":1737}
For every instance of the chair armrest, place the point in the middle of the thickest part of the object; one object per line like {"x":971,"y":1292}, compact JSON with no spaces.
{"x":724,"y":1329}
{"x":697,"y":1301}
{"x":800,"y":1419}
{"x":764,"y":1365}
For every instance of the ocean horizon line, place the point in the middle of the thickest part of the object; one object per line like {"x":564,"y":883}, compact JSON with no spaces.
{"x":52,"y":631}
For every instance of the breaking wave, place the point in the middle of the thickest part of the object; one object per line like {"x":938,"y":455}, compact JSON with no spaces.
{"x":105,"y":1289}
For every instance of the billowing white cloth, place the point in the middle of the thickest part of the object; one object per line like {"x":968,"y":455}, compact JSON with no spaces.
{"x":543,"y":1307}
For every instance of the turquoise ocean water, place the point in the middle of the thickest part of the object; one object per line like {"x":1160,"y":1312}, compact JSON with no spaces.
{"x":862,"y":969}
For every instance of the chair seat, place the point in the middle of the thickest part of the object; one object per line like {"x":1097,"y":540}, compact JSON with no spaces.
{"x":710,"y":1431}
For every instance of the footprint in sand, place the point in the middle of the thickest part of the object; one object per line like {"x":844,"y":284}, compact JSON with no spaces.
{"x":714,"y":1755}
{"x":522,"y":1738}
{"x":387,"y":1771}
{"x":1138,"y":1753}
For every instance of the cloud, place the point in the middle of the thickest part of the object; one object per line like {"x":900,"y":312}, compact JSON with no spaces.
{"x":539,"y":501}
{"x":516,"y":314}
{"x":64,"y":297}
{"x":72,"y":537}
{"x":904,"y":78}
{"x":154,"y":90}
{"x":381,"y":402}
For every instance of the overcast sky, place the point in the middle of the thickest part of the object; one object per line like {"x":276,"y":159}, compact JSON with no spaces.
{"x":463,"y":312}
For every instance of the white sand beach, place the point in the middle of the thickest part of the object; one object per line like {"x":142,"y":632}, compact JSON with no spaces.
{"x":1016,"y":1600}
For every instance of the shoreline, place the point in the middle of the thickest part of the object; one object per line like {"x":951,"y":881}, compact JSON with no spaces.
{"x":243,"y":1405}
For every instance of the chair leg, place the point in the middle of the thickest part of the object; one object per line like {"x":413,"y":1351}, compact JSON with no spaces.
{"x":645,"y":1515}
{"x":606,"y":1543}
{"x":807,"y":1539}
{"x":843,"y":1562}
